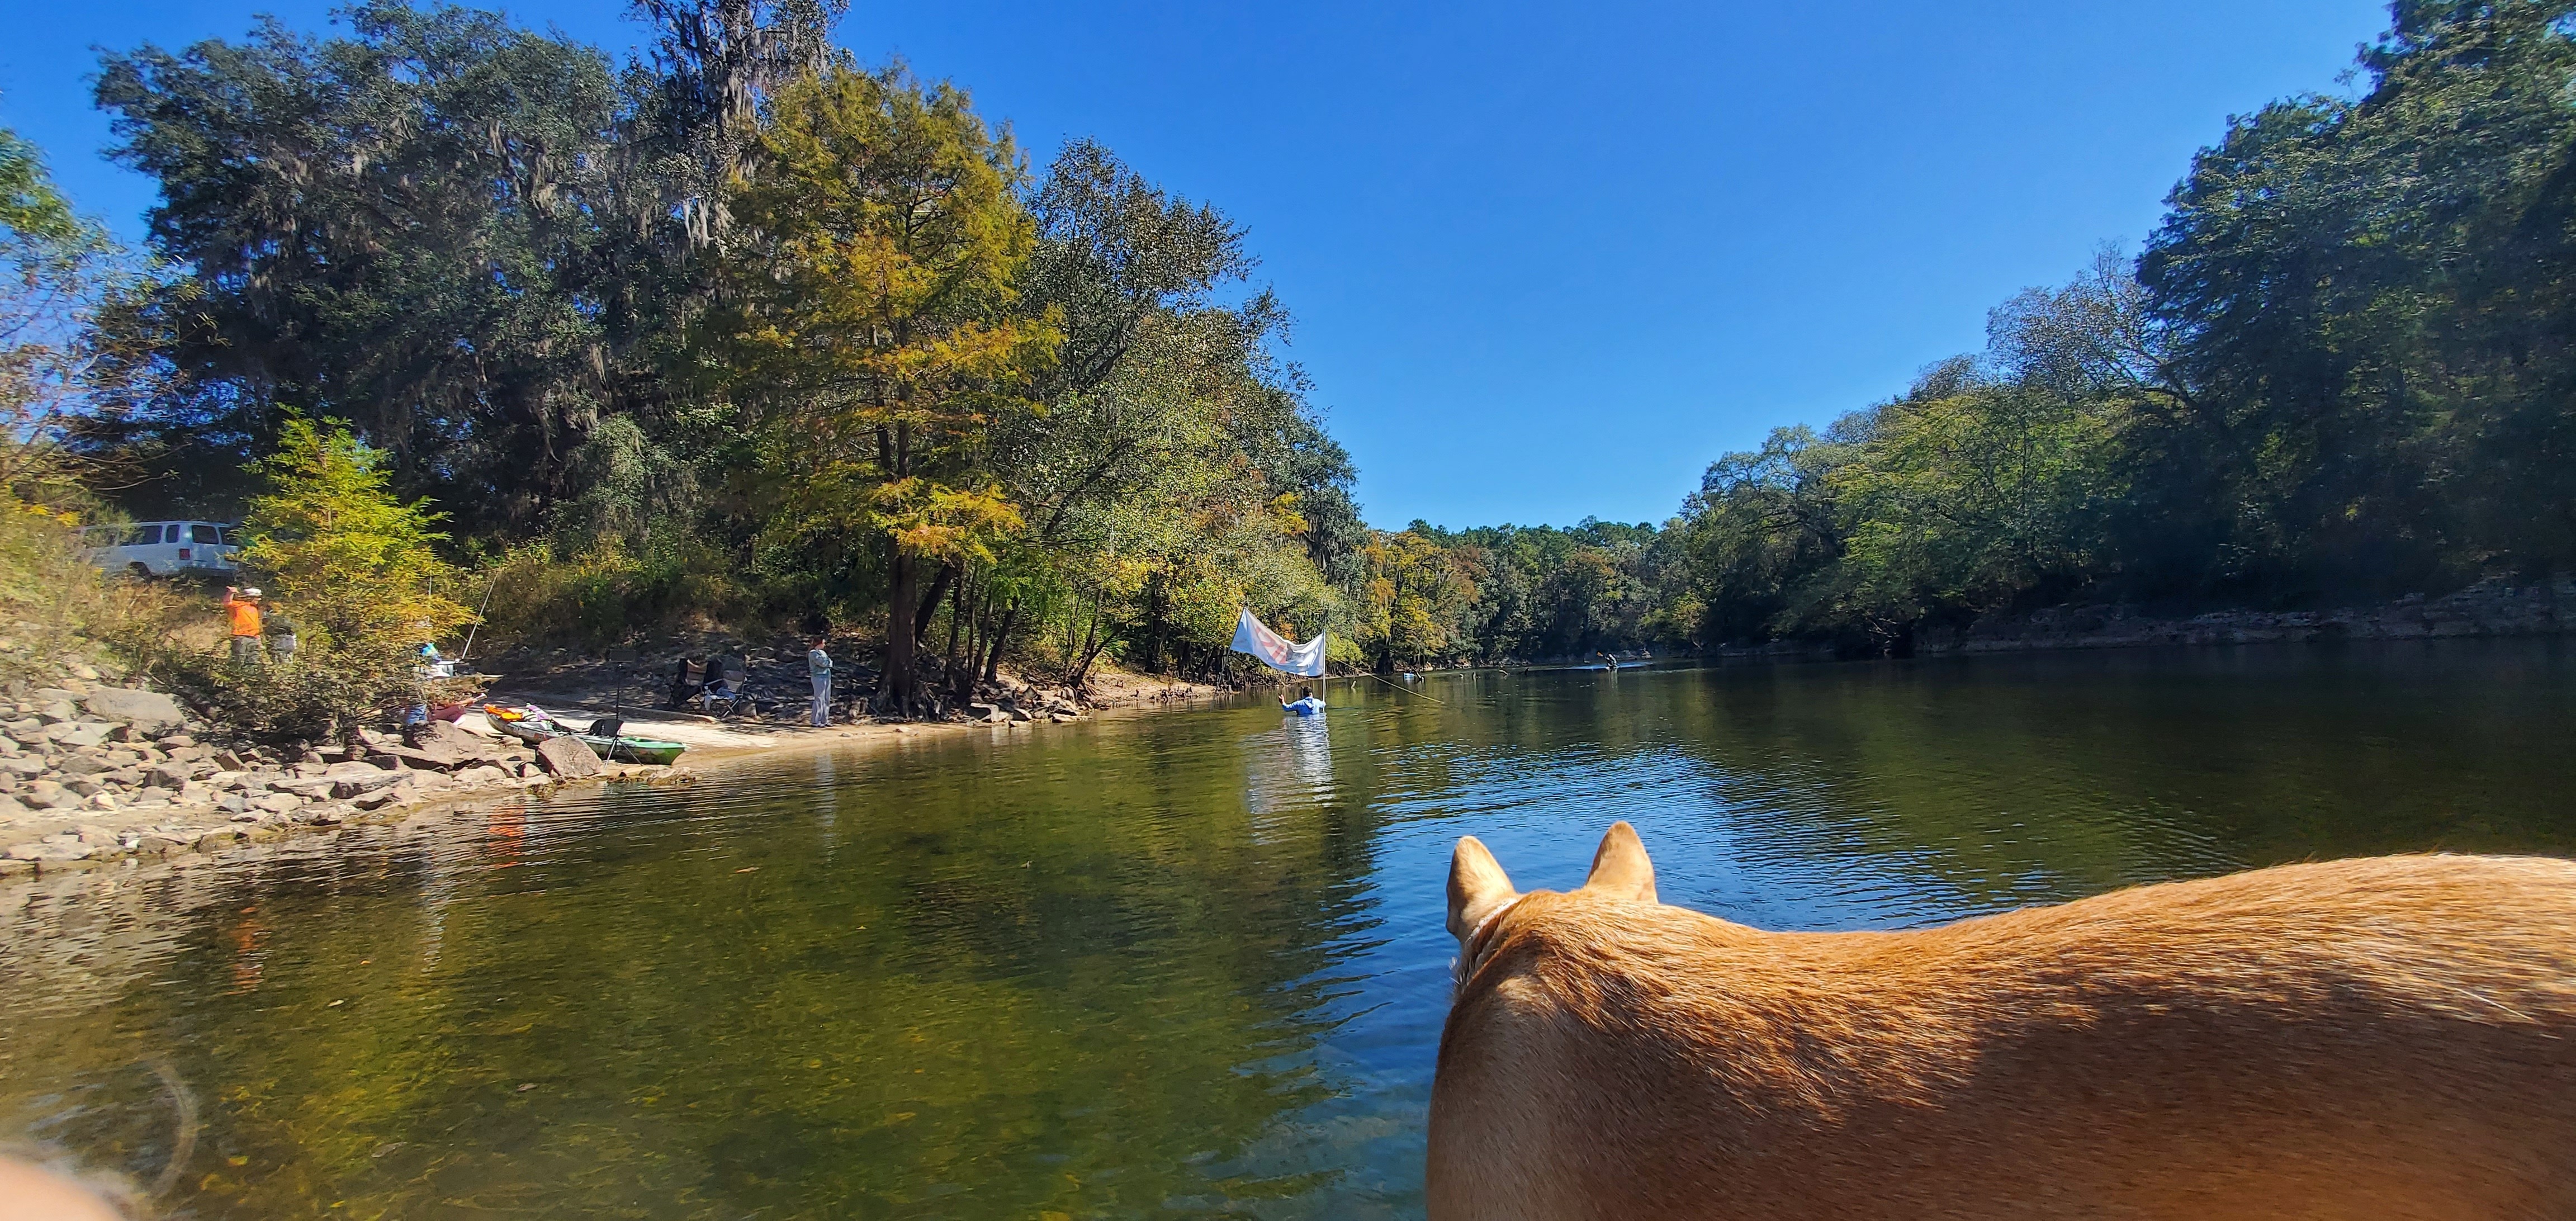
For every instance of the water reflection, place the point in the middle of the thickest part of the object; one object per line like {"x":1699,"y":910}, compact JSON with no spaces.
{"x":1186,"y":963}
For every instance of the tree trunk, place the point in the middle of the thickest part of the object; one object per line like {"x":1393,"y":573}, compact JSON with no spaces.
{"x":993,"y":647}
{"x":1082,"y":656}
{"x":939,"y":587}
{"x":896,"y":696}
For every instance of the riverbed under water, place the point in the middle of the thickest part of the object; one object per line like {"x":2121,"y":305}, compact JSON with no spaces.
{"x":1175,"y":964}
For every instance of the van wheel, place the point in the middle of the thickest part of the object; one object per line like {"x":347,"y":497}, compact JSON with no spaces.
{"x":139,"y":570}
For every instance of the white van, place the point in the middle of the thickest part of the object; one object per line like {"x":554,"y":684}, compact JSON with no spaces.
{"x":161,"y":548}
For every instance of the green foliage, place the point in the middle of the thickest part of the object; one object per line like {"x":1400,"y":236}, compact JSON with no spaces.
{"x":604,"y":595}
{"x":31,"y":208}
{"x":418,"y":228}
{"x":352,"y":563}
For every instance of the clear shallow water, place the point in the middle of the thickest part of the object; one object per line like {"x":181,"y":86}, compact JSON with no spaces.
{"x":1187,"y":963}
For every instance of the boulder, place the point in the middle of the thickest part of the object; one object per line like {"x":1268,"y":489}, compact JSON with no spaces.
{"x":47,"y":795}
{"x":57,"y":712}
{"x":447,"y":746}
{"x":485,"y":774}
{"x":81,"y":765}
{"x":567,"y":758}
{"x":167,"y":776}
{"x":311,"y":788}
{"x":277,"y":803}
{"x":10,"y":808}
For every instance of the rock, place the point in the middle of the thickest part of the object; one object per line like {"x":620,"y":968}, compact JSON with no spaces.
{"x":47,"y":850}
{"x":25,"y":765}
{"x":484,"y":774}
{"x":174,"y":741}
{"x":99,"y":801}
{"x":233,"y":803}
{"x":378,"y":800}
{"x":311,"y":788}
{"x":228,"y":761}
{"x":57,"y":712}
{"x":218,"y":840}
{"x":10,"y":808}
{"x":157,"y":844}
{"x":84,"y":733}
{"x":47,"y":795}
{"x":151,"y":795}
{"x":1062,"y":718}
{"x":567,"y":759}
{"x":165,"y":776}
{"x":370,"y":780}
{"x":447,"y":744}
{"x":277,"y":803}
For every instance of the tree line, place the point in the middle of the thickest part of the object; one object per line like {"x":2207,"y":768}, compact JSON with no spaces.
{"x":743,"y":330}
{"x":2341,"y":369}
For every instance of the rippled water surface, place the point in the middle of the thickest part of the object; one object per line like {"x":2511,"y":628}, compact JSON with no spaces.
{"x":1186,"y":963}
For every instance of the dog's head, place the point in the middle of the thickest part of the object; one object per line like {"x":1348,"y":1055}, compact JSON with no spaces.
{"x":1480,"y":893}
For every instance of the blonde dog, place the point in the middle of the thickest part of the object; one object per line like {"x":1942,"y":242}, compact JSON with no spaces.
{"x":2383,"y":1038}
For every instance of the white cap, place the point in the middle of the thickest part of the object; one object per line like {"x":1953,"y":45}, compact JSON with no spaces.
{"x":252,"y":592}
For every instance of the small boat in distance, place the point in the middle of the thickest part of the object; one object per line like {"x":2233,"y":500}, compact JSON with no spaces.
{"x":532,"y":726}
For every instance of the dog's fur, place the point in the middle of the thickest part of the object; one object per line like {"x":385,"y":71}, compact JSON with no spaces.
{"x":2383,"y":1038}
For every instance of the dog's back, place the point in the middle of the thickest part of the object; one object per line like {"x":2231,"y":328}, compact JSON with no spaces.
{"x":2378,"y":1038}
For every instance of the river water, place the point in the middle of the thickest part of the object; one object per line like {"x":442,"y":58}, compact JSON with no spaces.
{"x":1178,"y":964}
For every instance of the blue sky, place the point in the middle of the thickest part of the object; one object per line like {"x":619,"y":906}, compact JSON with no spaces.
{"x":1546,"y":261}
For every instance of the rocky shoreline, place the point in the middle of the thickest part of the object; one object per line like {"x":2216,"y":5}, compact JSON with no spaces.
{"x":95,"y":775}
{"x":98,"y":775}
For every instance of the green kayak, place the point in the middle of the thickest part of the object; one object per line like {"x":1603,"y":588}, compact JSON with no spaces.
{"x":620,"y":749}
{"x":631,"y":750}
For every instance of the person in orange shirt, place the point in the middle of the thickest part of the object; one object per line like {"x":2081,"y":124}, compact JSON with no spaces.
{"x":242,"y":605}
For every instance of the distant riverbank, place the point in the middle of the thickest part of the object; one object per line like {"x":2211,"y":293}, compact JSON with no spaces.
{"x":2488,"y":608}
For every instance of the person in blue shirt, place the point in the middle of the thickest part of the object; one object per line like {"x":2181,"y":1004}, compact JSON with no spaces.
{"x":1306,"y":704}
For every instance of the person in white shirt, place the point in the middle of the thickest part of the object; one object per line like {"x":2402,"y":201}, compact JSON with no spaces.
{"x":819,"y":664}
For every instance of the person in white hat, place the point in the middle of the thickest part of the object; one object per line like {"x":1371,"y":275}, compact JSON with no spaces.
{"x":242,"y":606}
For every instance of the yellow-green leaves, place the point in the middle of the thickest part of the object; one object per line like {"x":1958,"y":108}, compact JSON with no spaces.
{"x":348,"y":560}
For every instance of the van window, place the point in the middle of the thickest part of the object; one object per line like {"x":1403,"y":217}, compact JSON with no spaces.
{"x":202,"y":533}
{"x":170,"y":533}
{"x":141,"y":536}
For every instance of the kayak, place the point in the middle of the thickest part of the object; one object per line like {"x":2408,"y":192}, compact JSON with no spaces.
{"x":621,"y":749}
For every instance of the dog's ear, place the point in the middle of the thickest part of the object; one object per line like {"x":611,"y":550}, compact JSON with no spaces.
{"x":1477,"y":886}
{"x":1620,"y":869}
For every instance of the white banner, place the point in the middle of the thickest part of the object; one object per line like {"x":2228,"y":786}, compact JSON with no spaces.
{"x":1276,"y":651}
